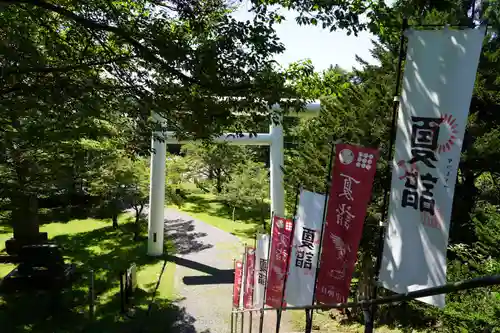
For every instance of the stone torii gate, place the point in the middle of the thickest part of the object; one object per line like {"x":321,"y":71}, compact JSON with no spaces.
{"x":273,"y":139}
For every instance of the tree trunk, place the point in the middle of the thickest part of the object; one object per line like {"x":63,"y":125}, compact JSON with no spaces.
{"x":115,"y":220}
{"x":138,"y":212}
{"x":463,"y":229}
{"x":218,"y":181}
{"x":262,"y":217}
{"x":234,"y":210}
{"x":115,"y":211}
{"x":137,"y":226}
{"x":71,"y":195}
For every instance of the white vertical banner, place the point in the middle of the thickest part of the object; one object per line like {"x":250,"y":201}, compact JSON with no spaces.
{"x":305,"y":247}
{"x":438,"y":82}
{"x":261,"y":264}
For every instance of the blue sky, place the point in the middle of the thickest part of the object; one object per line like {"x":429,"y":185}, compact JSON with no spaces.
{"x":323,"y":47}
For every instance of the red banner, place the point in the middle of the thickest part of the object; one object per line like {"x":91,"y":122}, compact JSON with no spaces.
{"x":238,"y":277}
{"x":350,"y":193}
{"x":250,"y":278}
{"x":278,"y":259}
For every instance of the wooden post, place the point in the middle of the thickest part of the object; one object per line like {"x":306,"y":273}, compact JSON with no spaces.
{"x":91,"y":296}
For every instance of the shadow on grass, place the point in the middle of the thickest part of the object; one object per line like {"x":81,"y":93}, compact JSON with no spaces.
{"x":5,"y":229}
{"x":62,"y":214}
{"x":32,"y":315}
{"x":106,"y":251}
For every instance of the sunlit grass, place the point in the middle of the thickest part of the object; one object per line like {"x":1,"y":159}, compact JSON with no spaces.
{"x":92,"y":244}
{"x":322,"y":323}
{"x":79,"y":226}
{"x":207,"y":208}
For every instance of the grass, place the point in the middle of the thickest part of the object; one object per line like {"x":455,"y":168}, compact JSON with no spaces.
{"x":210,"y":209}
{"x":94,"y":244}
{"x":322,"y":322}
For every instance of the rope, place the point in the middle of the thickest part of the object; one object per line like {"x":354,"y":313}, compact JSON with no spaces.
{"x":153,"y":296}
{"x":156,"y":288}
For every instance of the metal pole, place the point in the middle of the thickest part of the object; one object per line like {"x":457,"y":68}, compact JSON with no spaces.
{"x":232,"y":296}
{"x":91,"y":296}
{"x":122,"y":293}
{"x":243,"y":287}
{"x":261,"y":322}
{"x":370,"y":317}
{"x":280,"y":310}
{"x":253,"y":287}
{"x":485,"y":281}
{"x":328,"y":180}
{"x":242,"y":321}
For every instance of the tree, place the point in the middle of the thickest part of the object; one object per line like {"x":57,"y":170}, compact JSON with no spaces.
{"x":177,"y":173}
{"x":188,"y":61}
{"x":75,"y":70}
{"x":137,"y":191}
{"x":117,"y":184}
{"x":380,"y":17}
{"x":357,"y":109}
{"x":58,"y":122}
{"x":212,"y":162}
{"x":49,"y":150}
{"x":338,"y":14}
{"x":248,"y":187}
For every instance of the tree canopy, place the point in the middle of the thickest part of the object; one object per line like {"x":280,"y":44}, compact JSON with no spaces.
{"x":357,"y":109}
{"x":80,"y":80}
{"x":187,"y":61}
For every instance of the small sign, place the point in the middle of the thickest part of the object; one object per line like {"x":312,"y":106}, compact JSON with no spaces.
{"x":128,"y":285}
{"x":132,"y":277}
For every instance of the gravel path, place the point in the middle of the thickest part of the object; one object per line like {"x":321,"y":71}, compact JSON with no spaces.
{"x":204,"y":275}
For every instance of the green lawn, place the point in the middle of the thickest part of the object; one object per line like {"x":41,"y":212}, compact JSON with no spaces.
{"x":94,"y":244}
{"x":209,"y":209}
{"x":323,"y":322}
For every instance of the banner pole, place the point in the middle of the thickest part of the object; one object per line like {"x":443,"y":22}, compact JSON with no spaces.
{"x":369,"y":313}
{"x":328,"y":180}
{"x":232,"y":297}
{"x":244,"y":282}
{"x":242,"y":322}
{"x":232,"y":321}
{"x":253,"y":287}
{"x":261,"y":322}
{"x":280,"y":310}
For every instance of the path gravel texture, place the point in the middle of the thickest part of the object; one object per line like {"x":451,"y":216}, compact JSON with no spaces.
{"x":204,"y":276}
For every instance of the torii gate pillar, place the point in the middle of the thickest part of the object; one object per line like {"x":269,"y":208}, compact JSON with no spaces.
{"x":274,"y":139}
{"x":276,"y":161}
{"x":156,"y":224}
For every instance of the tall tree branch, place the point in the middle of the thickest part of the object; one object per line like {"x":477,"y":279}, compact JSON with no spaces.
{"x":147,"y":54}
{"x":125,"y":35}
{"x":18,"y":70}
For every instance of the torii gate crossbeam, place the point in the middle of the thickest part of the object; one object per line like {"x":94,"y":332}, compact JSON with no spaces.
{"x":273,"y":139}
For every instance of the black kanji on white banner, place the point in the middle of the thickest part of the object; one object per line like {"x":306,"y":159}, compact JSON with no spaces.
{"x":424,"y":140}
